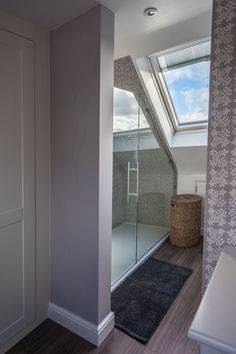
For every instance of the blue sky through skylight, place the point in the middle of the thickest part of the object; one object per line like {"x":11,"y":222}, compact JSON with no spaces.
{"x":189,"y":90}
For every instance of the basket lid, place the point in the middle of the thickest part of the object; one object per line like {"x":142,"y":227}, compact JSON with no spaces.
{"x":183,"y":198}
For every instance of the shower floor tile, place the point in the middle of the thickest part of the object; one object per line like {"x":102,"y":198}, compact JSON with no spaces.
{"x":124,"y":245}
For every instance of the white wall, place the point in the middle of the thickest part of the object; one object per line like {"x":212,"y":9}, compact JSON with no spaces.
{"x":82,"y":56}
{"x":191,"y":165}
{"x":152,"y":42}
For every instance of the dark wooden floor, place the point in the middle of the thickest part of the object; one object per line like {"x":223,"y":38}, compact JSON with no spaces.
{"x":169,"y":338}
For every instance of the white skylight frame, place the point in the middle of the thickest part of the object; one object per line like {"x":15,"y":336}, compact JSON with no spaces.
{"x":163,"y":89}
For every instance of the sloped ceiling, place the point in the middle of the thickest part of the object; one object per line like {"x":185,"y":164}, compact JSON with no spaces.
{"x":130,"y":22}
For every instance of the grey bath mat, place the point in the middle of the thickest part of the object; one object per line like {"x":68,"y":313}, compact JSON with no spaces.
{"x":144,"y":298}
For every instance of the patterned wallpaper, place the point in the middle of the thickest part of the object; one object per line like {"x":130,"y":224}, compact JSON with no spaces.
{"x":221,"y":186}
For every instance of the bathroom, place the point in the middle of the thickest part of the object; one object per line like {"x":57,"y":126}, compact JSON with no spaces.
{"x":154,"y":141}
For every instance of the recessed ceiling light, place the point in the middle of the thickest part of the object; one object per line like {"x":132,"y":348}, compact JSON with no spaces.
{"x":150,"y":11}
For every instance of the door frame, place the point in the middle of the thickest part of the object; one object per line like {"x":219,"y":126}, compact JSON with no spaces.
{"x":42,"y":164}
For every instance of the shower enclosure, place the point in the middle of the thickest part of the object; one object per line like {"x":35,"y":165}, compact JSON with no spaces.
{"x":143,"y":183}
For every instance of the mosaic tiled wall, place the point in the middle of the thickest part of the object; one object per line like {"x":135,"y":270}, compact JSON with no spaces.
{"x":221,"y":186}
{"x":156,"y":182}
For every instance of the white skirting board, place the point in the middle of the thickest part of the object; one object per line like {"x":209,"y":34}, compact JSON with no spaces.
{"x":95,"y":334}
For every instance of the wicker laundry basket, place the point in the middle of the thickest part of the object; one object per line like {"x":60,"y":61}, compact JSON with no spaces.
{"x":185,"y":220}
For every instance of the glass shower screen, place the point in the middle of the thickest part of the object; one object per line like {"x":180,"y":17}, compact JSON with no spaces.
{"x":125,"y":182}
{"x":143,"y":183}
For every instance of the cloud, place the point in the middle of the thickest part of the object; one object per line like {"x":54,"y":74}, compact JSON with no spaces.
{"x":189,"y":90}
{"x":202,"y":72}
{"x":122,"y":124}
{"x":125,"y":103}
{"x":196,"y":98}
{"x":126,"y":111}
{"x":195,"y":104}
{"x":197,"y":72}
{"x":204,"y":96}
{"x":178,"y":74}
{"x":192,"y":117}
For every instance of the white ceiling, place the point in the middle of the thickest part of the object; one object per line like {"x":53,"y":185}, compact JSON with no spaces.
{"x":130,"y":21}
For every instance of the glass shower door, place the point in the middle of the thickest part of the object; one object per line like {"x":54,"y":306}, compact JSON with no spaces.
{"x":143,"y":183}
{"x":156,"y":187}
{"x":125,"y":182}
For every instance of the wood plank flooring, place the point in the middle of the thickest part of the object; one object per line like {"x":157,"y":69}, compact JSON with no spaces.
{"x":169,"y":338}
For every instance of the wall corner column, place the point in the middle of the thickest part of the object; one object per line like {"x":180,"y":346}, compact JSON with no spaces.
{"x":82,"y":60}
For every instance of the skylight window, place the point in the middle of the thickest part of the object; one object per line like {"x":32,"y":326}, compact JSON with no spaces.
{"x":183,"y":77}
{"x":189,"y":91}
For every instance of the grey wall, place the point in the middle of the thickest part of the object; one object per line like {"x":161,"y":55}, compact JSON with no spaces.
{"x":156,"y":187}
{"x":81,"y":155}
{"x":221,"y":171}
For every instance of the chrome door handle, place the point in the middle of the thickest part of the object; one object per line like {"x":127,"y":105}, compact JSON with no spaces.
{"x":136,"y":169}
{"x":128,"y":182}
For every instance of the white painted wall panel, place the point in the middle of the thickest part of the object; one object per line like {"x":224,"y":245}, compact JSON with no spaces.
{"x":10,"y":128}
{"x":39,"y":40}
{"x":11,"y":275}
{"x":17,"y":185}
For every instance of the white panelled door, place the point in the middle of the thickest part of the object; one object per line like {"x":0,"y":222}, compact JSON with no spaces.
{"x":17,"y":185}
